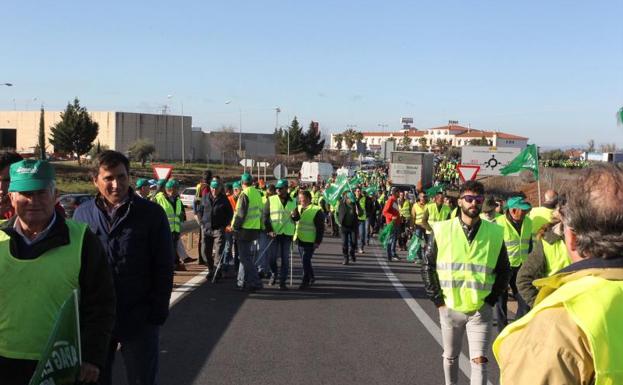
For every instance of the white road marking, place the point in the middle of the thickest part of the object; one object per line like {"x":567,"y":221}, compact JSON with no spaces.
{"x":422,"y":316}
{"x":182,"y":290}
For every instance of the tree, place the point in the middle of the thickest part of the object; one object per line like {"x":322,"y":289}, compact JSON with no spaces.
{"x":296,"y":137}
{"x":339,"y":138}
{"x":141,"y":150}
{"x":224,"y":141}
{"x":423,"y":142}
{"x":97,"y":149}
{"x":608,"y":147}
{"x":479,"y":142}
{"x":281,"y":145}
{"x":76,"y":131}
{"x":350,"y":137}
{"x":556,"y":155}
{"x":442,"y":145}
{"x":405,"y":142}
{"x":41,"y":142}
{"x":591,"y":146}
{"x":312,"y":141}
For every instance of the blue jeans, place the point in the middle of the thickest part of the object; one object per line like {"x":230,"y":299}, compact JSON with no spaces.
{"x":349,"y":242}
{"x":391,"y":243}
{"x":262,"y":259}
{"x":362,"y":231}
{"x":306,"y":253}
{"x":247,"y":272}
{"x":140,"y":357}
{"x":280,"y":249}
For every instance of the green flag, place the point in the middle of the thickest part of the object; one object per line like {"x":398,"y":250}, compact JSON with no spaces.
{"x":61,"y":359}
{"x":620,"y":116}
{"x":434,"y":190}
{"x":528,"y":159}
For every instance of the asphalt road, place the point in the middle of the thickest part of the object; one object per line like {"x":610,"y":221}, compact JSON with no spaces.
{"x":352,"y":327}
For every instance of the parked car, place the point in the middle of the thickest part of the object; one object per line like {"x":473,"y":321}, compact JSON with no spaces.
{"x":69,"y":202}
{"x":188,"y":196}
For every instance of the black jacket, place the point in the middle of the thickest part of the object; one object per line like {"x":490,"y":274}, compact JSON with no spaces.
{"x":431,"y":279}
{"x":139,"y":248}
{"x":97,"y":294}
{"x":215,"y":212}
{"x":343,"y":211}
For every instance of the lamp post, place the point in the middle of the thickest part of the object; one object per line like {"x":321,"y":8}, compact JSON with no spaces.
{"x":239,"y":128}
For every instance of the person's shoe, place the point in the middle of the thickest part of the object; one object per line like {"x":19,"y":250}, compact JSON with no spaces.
{"x":396,"y":258}
{"x":360,"y":250}
{"x":189,"y":259}
{"x":418,"y":263}
{"x":282,"y":286}
{"x":271,"y":282}
{"x":180,"y":267}
{"x":354,"y":258}
{"x":209,"y":275}
{"x":261,"y":274}
{"x":345,"y":262}
{"x":312,"y":281}
{"x":303,"y":286}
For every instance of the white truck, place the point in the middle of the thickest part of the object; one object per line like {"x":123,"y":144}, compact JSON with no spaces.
{"x":315,"y":172}
{"x":408,"y":168}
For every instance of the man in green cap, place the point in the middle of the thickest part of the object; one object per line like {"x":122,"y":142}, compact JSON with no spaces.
{"x":142,"y":188}
{"x":172,"y":205}
{"x":518,"y":240}
{"x":246,"y":226}
{"x":215,"y":214}
{"x":43,"y":259}
{"x":348,"y":213}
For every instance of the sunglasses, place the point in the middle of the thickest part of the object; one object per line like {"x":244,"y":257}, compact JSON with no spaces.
{"x":471,"y":198}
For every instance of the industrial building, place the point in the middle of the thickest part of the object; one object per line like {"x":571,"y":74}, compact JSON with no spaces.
{"x":19,"y":130}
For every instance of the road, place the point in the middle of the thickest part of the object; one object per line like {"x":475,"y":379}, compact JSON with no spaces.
{"x":352,"y":327}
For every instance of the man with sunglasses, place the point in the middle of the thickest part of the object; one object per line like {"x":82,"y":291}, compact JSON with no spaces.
{"x":465,"y":270}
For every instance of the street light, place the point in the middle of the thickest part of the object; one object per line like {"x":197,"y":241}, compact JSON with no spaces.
{"x":383,"y":126}
{"x":239,"y":128}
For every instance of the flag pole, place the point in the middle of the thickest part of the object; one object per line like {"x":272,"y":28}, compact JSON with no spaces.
{"x":538,"y":179}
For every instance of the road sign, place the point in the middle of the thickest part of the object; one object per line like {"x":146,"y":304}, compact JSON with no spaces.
{"x":247,"y":163}
{"x":467,"y":172}
{"x":162,"y":171}
{"x":280,"y":171}
{"x":263,"y":164}
{"x":490,"y":159}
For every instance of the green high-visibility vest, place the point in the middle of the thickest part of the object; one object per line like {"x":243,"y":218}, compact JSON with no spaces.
{"x":417,"y":212}
{"x":280,"y":218}
{"x":32,"y":292}
{"x":405,"y":209}
{"x":305,"y":227}
{"x":362,"y":206}
{"x":540,"y":216}
{"x":466,"y":270}
{"x":596,"y":306}
{"x":173,"y":213}
{"x":556,"y":256}
{"x":436,"y":215}
{"x":254,"y":212}
{"x":454,"y":213}
{"x":517,"y":245}
{"x":381,"y":199}
{"x":315,"y":198}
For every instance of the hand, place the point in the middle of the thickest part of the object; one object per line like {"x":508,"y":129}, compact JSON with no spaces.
{"x":228,"y":229}
{"x":316,"y":246}
{"x":88,"y":373}
{"x":441,"y":306}
{"x":272,"y":234}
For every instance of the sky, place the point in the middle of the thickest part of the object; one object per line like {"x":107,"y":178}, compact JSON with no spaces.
{"x":548,"y":70}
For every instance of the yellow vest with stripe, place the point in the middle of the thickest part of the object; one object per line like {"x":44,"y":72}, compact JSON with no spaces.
{"x":280,"y":218}
{"x":417,"y":213}
{"x":405,"y":209}
{"x":305,"y":227}
{"x":517,"y":245}
{"x":173,"y":214}
{"x":254,"y":210}
{"x":556,"y":256}
{"x":33,"y":291}
{"x":454,"y":212}
{"x":465,"y":270}
{"x":315,"y":198}
{"x":362,"y":206}
{"x":596,"y":306}
{"x":435,"y":215}
{"x":540,"y":216}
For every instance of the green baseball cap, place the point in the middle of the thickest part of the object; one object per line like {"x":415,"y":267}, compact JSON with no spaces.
{"x":140,"y":182}
{"x":236,"y":184}
{"x":161,"y":182}
{"x":30,"y":175}
{"x":281,"y":183}
{"x":214,"y":183}
{"x":172,"y":183}
{"x":518,"y":203}
{"x":246,"y":178}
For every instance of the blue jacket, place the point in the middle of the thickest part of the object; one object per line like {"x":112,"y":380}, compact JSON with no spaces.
{"x":139,"y":248}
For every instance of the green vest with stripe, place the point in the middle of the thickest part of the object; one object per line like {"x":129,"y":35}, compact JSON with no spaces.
{"x":465,"y":270}
{"x":315,"y":198}
{"x":280,"y":218}
{"x":405,"y":209}
{"x":173,"y":214}
{"x":596,"y":306}
{"x":436,"y":215}
{"x":362,"y":206}
{"x":517,"y":245}
{"x":305,"y":227}
{"x":254,"y":211}
{"x":33,"y":291}
{"x":556,"y":256}
{"x":540,"y":216}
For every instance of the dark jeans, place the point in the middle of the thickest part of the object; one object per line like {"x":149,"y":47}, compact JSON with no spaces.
{"x":391,"y":243}
{"x":501,"y":311}
{"x":280,"y":250}
{"x":247,"y":272}
{"x":140,"y":357}
{"x":213,"y":240}
{"x":176,"y":240}
{"x":202,"y":260}
{"x":349,"y":242}
{"x":307,"y":252}
{"x":16,"y":372}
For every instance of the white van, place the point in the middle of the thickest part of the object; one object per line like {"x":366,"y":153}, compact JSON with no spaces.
{"x":315,"y":172}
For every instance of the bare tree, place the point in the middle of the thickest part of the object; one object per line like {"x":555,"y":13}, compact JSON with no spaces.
{"x":225,"y":141}
{"x":608,"y":147}
{"x":591,"y":146}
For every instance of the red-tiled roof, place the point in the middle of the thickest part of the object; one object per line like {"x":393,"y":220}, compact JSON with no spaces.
{"x":489,"y":134}
{"x":453,"y":127}
{"x":504,"y":135}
